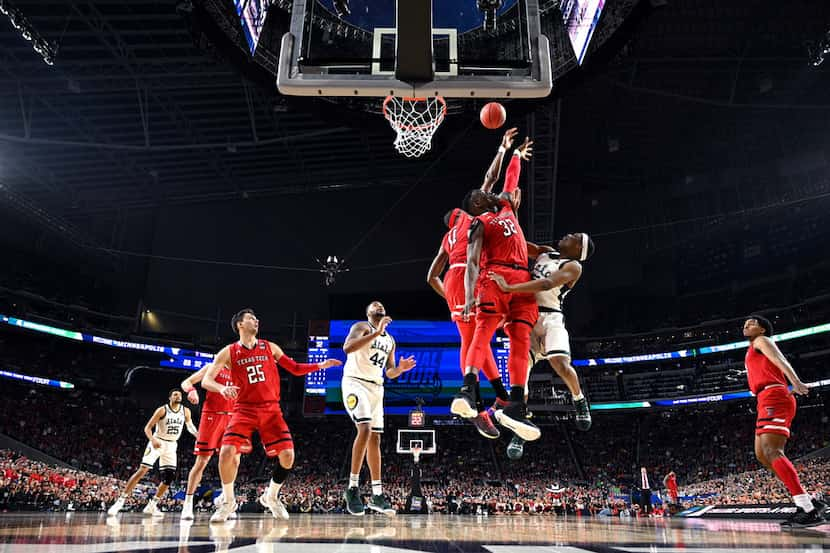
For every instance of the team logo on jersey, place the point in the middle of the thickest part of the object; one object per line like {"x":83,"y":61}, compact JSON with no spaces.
{"x":351,"y":401}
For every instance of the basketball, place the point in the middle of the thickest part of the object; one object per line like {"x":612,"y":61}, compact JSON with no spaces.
{"x":493,"y":115}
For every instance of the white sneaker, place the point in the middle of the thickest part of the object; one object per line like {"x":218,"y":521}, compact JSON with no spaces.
{"x":187,"y":512}
{"x":274,"y":504}
{"x":151,"y":509}
{"x":116,"y":507}
{"x":224,"y":512}
{"x":218,"y":500}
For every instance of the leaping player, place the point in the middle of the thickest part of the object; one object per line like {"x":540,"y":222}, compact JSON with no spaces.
{"x":163,"y":431}
{"x":497,"y":243}
{"x":216,"y":415}
{"x":554,"y":275}
{"x":768,"y":373}
{"x":370,"y":351}
{"x":256,"y":388}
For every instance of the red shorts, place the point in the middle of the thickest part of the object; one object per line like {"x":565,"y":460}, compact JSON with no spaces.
{"x":211,"y":429}
{"x":492,"y":302}
{"x":776,"y":411}
{"x":265,"y":418}
{"x":454,"y":290}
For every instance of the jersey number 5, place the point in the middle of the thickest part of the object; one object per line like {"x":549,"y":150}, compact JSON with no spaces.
{"x":255,"y":374}
{"x":509,"y":227}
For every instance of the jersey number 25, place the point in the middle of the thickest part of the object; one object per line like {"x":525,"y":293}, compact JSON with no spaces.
{"x":255,"y":374}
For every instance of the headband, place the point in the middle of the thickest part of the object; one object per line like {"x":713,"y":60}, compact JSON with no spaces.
{"x":584,"y":253}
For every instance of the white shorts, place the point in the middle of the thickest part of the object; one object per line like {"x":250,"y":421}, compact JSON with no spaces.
{"x":363,"y":401}
{"x":165,"y":455}
{"x":550,"y":338}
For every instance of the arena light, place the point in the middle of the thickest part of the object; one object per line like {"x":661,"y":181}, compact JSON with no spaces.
{"x":37,"y":380}
{"x":620,"y":405}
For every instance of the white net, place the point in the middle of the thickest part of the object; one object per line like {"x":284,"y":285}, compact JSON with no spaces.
{"x":414,"y":120}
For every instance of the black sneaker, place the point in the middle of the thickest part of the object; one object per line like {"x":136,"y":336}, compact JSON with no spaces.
{"x":583,"y":415}
{"x":464,"y":404}
{"x":802,"y":519}
{"x":822,"y":508}
{"x":353,"y":502}
{"x":516,"y":448}
{"x":380,"y":504}
{"x":485,"y":426}
{"x":514,"y":417}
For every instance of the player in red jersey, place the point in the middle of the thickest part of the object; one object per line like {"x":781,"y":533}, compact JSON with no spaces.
{"x":670,"y":481}
{"x":768,"y":373}
{"x":256,"y":389}
{"x":497,"y":243}
{"x":216,"y":414}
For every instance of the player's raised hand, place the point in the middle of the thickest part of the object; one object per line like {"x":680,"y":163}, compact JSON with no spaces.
{"x":330,"y":363}
{"x":406,"y":363}
{"x":230,"y":392}
{"x":800,"y":388}
{"x":498,"y":279}
{"x":384,"y":322}
{"x":507,"y":139}
{"x":193,"y":396}
{"x":525,"y":151}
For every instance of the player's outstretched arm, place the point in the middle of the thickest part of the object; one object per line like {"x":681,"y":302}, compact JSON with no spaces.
{"x":771,"y":352}
{"x":568,"y":273}
{"x":435,"y":269}
{"x":299,"y":369}
{"x":148,"y":428}
{"x":188,"y":384}
{"x":493,"y":172}
{"x":473,"y":265}
{"x":404,"y":364}
{"x":514,"y":169}
{"x":188,"y":422}
{"x":222,"y":359}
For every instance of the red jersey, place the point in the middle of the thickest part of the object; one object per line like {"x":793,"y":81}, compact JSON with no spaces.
{"x":216,"y":402}
{"x":456,"y":239}
{"x":254,"y":370}
{"x":671,"y":482}
{"x":504,"y":241}
{"x":760,"y":371}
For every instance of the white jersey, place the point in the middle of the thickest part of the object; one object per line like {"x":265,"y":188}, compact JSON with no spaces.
{"x":369,"y":362}
{"x":547,"y":264}
{"x":170,"y":426}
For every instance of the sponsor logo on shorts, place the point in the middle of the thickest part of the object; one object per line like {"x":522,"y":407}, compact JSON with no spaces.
{"x":351,"y":401}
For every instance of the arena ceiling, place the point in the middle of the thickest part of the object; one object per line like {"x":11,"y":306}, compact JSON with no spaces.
{"x":140,"y":110}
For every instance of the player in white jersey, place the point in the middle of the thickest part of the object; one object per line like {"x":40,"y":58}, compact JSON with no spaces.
{"x":163,"y":431}
{"x":554,"y":276}
{"x":370,"y":354}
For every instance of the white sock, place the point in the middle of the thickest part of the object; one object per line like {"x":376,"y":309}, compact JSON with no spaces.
{"x":274,"y":489}
{"x":154,"y":499}
{"x":804,"y":501}
{"x":354,"y":480}
{"x":579,"y":396}
{"x":227,"y":491}
{"x":188,"y":499}
{"x":377,"y":487}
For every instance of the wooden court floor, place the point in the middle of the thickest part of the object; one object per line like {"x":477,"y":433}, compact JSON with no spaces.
{"x":77,"y":532}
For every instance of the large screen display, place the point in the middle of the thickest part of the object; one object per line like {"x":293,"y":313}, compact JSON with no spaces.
{"x":436,"y":378}
{"x":581,"y":18}
{"x":252,"y":15}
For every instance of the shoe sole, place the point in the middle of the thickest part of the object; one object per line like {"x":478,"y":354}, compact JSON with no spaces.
{"x":273,"y":514}
{"x":348,"y":509}
{"x":485,"y":434}
{"x":460,"y":407}
{"x":387,"y":512}
{"x":527,"y":433}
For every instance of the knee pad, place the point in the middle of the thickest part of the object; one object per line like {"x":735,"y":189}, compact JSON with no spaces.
{"x":167,"y":476}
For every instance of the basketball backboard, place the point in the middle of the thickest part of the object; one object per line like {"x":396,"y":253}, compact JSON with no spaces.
{"x":364,"y":53}
{"x":409,"y":438}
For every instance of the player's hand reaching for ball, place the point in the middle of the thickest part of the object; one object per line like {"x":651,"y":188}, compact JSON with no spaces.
{"x":384,"y":322}
{"x":330,"y":363}
{"x":230,"y":392}
{"x":525,"y":151}
{"x":800,"y":388}
{"x":498,"y":279}
{"x":155,"y":442}
{"x":507,"y":139}
{"x":406,"y":363}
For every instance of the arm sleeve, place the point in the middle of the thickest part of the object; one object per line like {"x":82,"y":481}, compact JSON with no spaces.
{"x":298,"y":369}
{"x":511,"y":177}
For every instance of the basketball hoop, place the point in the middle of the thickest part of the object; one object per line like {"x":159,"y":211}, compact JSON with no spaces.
{"x":415,"y":120}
